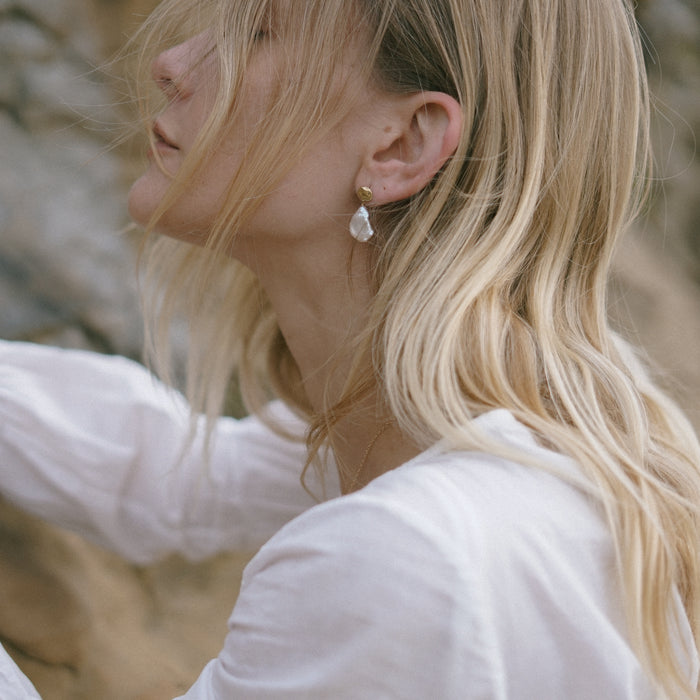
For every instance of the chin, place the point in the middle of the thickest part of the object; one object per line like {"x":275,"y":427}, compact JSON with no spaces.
{"x":144,"y":197}
{"x":142,"y":206}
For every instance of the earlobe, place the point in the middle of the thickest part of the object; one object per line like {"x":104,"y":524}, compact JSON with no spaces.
{"x":426,"y":130}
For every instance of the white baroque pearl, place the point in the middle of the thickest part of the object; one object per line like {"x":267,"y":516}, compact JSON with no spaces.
{"x":360,"y":227}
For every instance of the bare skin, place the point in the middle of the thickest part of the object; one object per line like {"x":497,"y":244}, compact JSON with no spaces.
{"x":298,"y":242}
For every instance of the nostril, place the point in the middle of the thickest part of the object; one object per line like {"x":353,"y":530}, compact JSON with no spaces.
{"x":168,"y":87}
{"x":164,"y":74}
{"x":174,"y":70}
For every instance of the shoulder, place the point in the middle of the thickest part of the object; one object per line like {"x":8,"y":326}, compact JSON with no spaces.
{"x":438,"y":534}
{"x":357,"y":593}
{"x":369,"y":539}
{"x":476,"y":500}
{"x":501,"y":574}
{"x":452,"y":508}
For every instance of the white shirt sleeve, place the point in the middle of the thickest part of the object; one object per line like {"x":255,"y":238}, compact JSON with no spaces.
{"x":351,"y":600}
{"x":97,"y":445}
{"x":14,"y":685}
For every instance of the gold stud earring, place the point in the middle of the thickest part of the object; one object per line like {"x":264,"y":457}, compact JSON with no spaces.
{"x":360,"y":226}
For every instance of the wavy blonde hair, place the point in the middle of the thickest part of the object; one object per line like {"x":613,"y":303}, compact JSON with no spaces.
{"x":490,"y":284}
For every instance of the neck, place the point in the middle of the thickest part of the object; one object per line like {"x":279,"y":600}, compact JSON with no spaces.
{"x":321,"y":295}
{"x":321,"y":303}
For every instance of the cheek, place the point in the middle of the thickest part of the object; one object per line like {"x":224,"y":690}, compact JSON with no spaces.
{"x":194,"y":212}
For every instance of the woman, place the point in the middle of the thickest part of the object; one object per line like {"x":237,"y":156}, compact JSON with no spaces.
{"x":400,"y":215}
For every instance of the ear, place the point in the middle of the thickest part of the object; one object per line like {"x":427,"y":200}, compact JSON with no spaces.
{"x":423,"y":132}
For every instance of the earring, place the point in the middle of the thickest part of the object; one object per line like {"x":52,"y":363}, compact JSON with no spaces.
{"x":360,"y":226}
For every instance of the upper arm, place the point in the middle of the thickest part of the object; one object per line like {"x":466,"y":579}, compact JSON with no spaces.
{"x":96,"y":444}
{"x":348,"y":601}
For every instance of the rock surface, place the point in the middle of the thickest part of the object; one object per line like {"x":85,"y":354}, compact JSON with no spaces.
{"x":79,"y":621}
{"x":82,"y":623}
{"x":63,"y":262}
{"x":658,"y":267}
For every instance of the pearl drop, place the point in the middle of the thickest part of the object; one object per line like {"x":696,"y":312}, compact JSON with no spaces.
{"x":360,"y":227}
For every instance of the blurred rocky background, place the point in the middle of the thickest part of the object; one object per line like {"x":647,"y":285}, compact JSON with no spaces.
{"x":79,"y":621}
{"x":657,"y":281}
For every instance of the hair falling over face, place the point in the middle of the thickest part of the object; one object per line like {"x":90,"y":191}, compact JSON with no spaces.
{"x":490,"y":284}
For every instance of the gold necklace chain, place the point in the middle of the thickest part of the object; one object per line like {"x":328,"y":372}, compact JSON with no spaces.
{"x":356,"y":476}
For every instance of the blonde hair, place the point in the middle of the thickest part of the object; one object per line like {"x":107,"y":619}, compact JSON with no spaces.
{"x":490,"y":284}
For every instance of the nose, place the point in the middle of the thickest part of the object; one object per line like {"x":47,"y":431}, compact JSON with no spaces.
{"x":167,"y":72}
{"x":172,"y":70}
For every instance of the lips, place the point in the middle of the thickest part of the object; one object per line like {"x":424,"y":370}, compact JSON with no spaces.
{"x":162,"y":139}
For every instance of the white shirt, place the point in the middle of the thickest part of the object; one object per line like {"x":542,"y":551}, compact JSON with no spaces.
{"x":456,"y":576}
